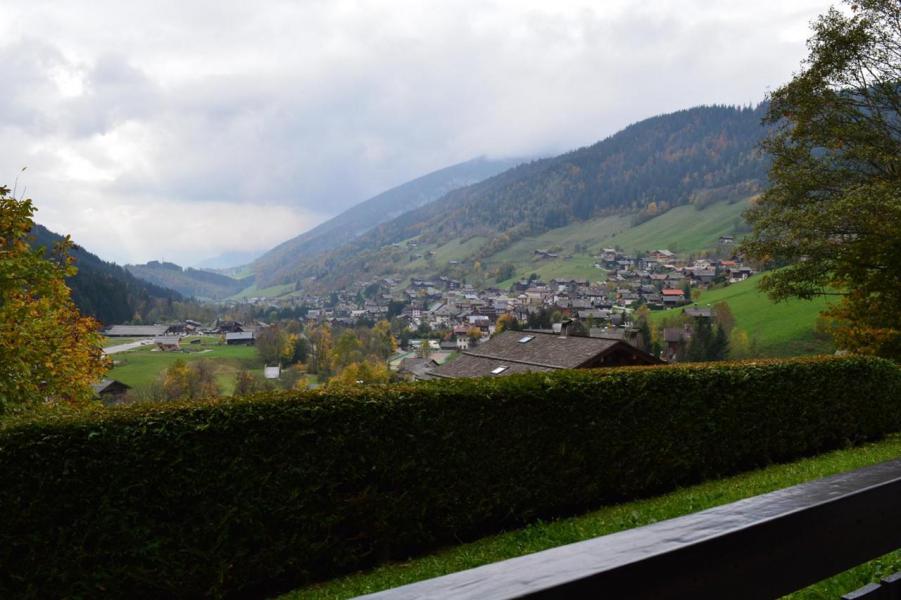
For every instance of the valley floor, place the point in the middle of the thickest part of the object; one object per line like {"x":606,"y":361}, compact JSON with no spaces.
{"x":141,"y":367}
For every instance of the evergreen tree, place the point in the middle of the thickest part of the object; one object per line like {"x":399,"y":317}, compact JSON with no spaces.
{"x":701,"y":340}
{"x":719,"y":345}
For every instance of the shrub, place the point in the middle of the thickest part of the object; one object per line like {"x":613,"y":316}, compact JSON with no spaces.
{"x":250,"y":496}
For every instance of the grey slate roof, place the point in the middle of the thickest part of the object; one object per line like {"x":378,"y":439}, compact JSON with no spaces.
{"x":105,"y":384}
{"x":474,"y":366}
{"x":136,"y":330}
{"x":239,"y":335}
{"x":543,"y":352}
{"x":419,"y":367}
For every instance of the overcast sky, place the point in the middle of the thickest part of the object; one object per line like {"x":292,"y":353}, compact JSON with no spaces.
{"x":185,"y":129}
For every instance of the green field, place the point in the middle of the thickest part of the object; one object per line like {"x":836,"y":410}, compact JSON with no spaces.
{"x":780,"y":329}
{"x":141,"y":367}
{"x":562,"y":241}
{"x":543,"y":535}
{"x":684,"y":229}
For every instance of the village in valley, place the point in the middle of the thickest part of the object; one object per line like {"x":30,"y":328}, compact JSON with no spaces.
{"x":443,"y":327}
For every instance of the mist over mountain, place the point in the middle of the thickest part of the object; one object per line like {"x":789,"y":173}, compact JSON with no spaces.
{"x":379,"y":209}
{"x":700,"y":154}
{"x":228,"y":260}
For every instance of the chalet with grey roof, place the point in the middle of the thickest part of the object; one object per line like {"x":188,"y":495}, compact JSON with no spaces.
{"x":525,"y":351}
{"x":110,"y":391}
{"x":239,"y":337}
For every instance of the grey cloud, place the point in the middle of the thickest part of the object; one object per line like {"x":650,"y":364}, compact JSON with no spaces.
{"x":26,"y":68}
{"x":319,"y":105}
{"x":114,"y":92}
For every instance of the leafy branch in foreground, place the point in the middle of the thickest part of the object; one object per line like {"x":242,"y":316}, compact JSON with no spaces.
{"x":49,"y":352}
{"x":833,"y":212}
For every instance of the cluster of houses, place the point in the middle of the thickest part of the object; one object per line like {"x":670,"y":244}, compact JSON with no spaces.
{"x":467,"y":317}
{"x":657,"y":279}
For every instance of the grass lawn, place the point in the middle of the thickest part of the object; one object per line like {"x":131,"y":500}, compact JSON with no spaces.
{"x":610,"y":519}
{"x":580,"y":266}
{"x":781,"y":329}
{"x":141,"y":367}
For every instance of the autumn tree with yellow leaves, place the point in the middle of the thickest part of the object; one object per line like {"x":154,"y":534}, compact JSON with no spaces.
{"x":49,"y":352}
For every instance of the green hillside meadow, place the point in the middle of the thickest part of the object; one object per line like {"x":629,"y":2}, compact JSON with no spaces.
{"x":143,"y":366}
{"x":684,"y":229}
{"x":780,"y":328}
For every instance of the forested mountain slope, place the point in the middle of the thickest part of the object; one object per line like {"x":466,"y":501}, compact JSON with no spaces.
{"x":379,"y":209}
{"x":105,"y":290}
{"x":195,"y":283}
{"x":700,"y":156}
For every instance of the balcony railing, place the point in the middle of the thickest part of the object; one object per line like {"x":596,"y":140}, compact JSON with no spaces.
{"x":760,"y":547}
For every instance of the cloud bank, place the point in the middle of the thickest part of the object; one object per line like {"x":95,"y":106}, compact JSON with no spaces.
{"x":184,"y":130}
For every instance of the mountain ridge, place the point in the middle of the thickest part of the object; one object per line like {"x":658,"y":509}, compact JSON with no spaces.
{"x":105,"y":290}
{"x":382,"y":207}
{"x":698,"y":154}
{"x":190,"y":282}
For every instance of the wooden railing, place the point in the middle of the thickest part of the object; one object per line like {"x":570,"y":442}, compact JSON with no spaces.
{"x":887,"y":589}
{"x":761,"y":547}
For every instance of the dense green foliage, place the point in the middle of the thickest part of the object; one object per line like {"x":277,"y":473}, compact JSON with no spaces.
{"x":833,"y":212}
{"x":699,"y":156}
{"x":249,"y":496}
{"x":195,"y":283}
{"x":105,"y":290}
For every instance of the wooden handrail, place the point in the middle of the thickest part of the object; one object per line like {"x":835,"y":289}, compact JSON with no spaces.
{"x":760,"y":547}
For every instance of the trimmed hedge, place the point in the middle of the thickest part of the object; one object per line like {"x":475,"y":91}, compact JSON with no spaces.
{"x":247,"y":497}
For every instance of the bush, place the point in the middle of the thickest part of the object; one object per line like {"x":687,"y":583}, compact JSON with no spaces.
{"x":246,"y":497}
